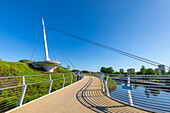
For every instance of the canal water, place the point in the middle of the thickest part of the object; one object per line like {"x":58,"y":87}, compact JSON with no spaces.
{"x":149,"y":98}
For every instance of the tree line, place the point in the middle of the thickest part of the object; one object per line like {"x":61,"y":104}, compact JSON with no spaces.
{"x":143,"y":71}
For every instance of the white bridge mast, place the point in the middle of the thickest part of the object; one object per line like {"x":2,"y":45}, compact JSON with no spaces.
{"x":45,"y":43}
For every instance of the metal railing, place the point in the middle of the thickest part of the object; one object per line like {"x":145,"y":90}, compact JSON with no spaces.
{"x":18,"y":90}
{"x":148,"y":92}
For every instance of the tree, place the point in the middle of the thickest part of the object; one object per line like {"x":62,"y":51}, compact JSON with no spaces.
{"x":110,"y":70}
{"x":132,"y":73}
{"x":163,"y":72}
{"x":107,"y":70}
{"x":143,"y":70}
{"x":75,"y":70}
{"x":150,"y":71}
{"x":103,"y":70}
{"x":169,"y":72}
{"x":85,"y":71}
{"x":25,"y":60}
{"x":68,"y":67}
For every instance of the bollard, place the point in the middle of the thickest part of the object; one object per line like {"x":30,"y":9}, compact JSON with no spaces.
{"x":23,"y":91}
{"x":51,"y":82}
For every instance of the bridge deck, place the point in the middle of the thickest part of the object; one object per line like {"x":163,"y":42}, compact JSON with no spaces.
{"x":83,"y":97}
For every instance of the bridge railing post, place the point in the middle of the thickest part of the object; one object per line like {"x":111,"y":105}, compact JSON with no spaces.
{"x":63,"y":81}
{"x":78,"y":76}
{"x":83,"y":75}
{"x":76,"y":79}
{"x":129,"y":92}
{"x":71,"y":79}
{"x":23,"y":91}
{"x":51,"y":83}
{"x":106,"y":81}
{"x":101,"y":79}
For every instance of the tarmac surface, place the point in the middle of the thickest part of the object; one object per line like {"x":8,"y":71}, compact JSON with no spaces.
{"x":85,"y":96}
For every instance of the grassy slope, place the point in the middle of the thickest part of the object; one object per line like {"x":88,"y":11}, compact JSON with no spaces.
{"x":21,"y":69}
{"x":9,"y":98}
{"x":16,"y":69}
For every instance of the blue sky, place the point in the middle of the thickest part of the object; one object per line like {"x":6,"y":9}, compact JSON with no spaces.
{"x":141,"y":27}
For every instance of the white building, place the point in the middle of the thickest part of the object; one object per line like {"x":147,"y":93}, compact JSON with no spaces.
{"x":161,"y":67}
{"x":121,"y":70}
{"x":130,"y":70}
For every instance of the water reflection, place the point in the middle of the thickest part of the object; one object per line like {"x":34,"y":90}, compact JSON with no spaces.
{"x":150,"y":97}
{"x":154,"y":92}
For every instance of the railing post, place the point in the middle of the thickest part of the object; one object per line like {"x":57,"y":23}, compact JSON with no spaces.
{"x":76,"y":79}
{"x":107,"y":90}
{"x":128,"y":80}
{"x":101,"y":78}
{"x":80,"y":76}
{"x":51,"y":83}
{"x":63,"y":81}
{"x":71,"y":79}
{"x":129,"y":92}
{"x":23,"y":91}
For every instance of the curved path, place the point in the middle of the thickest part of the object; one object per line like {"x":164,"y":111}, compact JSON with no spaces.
{"x":84,"y":96}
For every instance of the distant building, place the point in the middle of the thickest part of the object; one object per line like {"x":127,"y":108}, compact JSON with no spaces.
{"x":161,"y":67}
{"x":121,"y":70}
{"x":130,"y":70}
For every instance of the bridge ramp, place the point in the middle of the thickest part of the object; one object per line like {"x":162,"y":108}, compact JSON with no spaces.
{"x":84,"y":96}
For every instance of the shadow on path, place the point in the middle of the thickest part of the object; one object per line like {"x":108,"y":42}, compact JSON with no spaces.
{"x":91,"y":96}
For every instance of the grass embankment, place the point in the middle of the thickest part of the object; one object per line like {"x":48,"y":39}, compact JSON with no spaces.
{"x":9,"y":98}
{"x":16,"y":69}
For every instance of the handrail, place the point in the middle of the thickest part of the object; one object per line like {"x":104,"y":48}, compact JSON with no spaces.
{"x":12,"y":83}
{"x":152,"y":83}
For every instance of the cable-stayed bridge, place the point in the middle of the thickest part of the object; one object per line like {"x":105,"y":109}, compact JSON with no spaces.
{"x":79,"y":92}
{"x":70,"y":92}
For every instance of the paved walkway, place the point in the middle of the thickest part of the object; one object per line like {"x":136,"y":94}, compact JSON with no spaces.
{"x":84,"y":96}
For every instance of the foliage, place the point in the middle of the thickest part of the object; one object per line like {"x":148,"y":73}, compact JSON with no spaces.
{"x":163,"y":72}
{"x":68,"y":67}
{"x":150,"y":71}
{"x":143,"y":70}
{"x":132,"y":73}
{"x":103,"y":70}
{"x":75,"y":70}
{"x":85,"y":71}
{"x":25,"y":60}
{"x":108,"y":70}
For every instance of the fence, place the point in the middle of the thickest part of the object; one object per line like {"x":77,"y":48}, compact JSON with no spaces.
{"x":18,"y":90}
{"x":148,"y":92}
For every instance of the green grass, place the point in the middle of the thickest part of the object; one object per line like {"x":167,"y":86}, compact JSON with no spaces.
{"x":16,"y":69}
{"x":9,"y":98}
